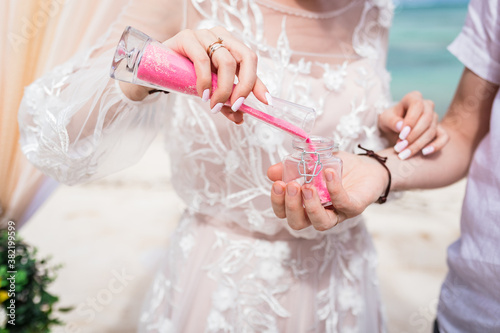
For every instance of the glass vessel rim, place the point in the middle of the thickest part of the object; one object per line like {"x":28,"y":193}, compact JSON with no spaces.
{"x":319,"y":143}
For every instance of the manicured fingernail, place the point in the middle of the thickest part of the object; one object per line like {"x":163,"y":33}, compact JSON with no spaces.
{"x":239,"y":102}
{"x":291,"y":190}
{"x":428,"y":150}
{"x":329,"y":175}
{"x":217,"y":108}
{"x":400,"y":146}
{"x":278,"y":189}
{"x":269,"y":99}
{"x":404,"y":133}
{"x":399,"y":125}
{"x":206,"y":95}
{"x":307,"y":192}
{"x":404,"y":154}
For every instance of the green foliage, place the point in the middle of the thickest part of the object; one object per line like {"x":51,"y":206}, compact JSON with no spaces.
{"x":35,"y":306}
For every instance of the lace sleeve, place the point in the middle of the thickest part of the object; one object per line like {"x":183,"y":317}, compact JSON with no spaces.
{"x":76,"y":124}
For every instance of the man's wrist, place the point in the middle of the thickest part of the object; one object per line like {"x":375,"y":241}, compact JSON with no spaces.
{"x":378,"y":162}
{"x":398,"y":169}
{"x":378,"y":172}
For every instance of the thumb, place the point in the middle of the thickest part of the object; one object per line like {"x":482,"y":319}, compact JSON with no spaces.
{"x":344,"y":206}
{"x":275,"y":172}
{"x":260,"y":91}
{"x":338,"y":195}
{"x":391,"y":120}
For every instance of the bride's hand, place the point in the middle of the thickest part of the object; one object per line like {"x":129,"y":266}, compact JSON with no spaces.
{"x":412,"y":125}
{"x":363,"y":181}
{"x":234,"y":59}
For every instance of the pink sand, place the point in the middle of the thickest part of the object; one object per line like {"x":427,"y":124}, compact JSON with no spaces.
{"x":318,"y":181}
{"x":174,"y":72}
{"x":320,"y":185}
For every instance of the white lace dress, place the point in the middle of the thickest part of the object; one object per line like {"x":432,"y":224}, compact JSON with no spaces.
{"x":232,"y":265}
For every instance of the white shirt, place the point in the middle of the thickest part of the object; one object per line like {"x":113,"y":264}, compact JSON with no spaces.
{"x":470,"y":296}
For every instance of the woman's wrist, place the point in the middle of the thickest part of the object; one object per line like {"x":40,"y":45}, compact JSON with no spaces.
{"x":134,"y":92}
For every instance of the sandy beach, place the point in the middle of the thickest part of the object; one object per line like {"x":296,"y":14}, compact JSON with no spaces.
{"x":110,"y":236}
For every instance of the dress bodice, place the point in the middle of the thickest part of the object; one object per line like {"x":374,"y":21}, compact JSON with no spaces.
{"x":219,"y":168}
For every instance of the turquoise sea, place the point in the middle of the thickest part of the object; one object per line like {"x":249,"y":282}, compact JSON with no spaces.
{"x":418,"y":56}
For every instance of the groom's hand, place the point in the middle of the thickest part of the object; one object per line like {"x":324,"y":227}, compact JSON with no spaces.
{"x":363,"y":181}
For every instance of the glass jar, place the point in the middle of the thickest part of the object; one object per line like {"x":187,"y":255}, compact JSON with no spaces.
{"x":307,"y":163}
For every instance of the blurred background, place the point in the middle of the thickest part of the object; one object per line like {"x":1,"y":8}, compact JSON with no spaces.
{"x":117,"y":228}
{"x":418,"y":56}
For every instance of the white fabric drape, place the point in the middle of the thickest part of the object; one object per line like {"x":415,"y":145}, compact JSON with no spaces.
{"x":37,"y":35}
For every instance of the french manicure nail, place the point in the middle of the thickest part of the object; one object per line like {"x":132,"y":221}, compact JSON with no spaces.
{"x":400,"y":146}
{"x":399,"y":125}
{"x":278,"y":189}
{"x":269,"y":99}
{"x":404,"y":133}
{"x":307,"y":192}
{"x":291,"y":190}
{"x":239,"y":102}
{"x":206,"y":95}
{"x":328,"y":175}
{"x":428,"y":150}
{"x":217,"y":108}
{"x":404,"y":154}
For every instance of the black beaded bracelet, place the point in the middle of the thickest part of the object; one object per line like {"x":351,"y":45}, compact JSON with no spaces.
{"x":158,"y":90}
{"x":381,"y":160}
